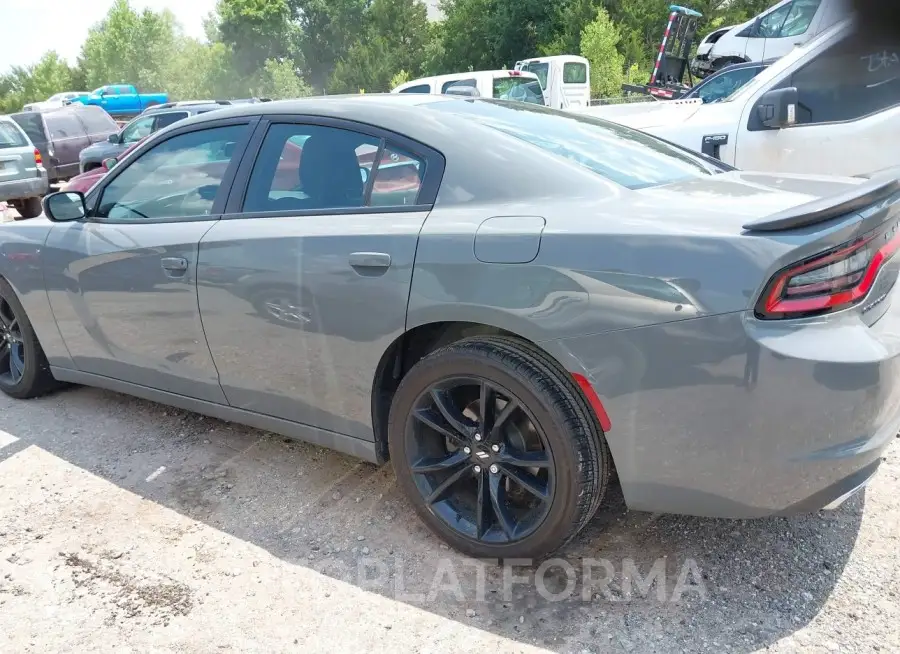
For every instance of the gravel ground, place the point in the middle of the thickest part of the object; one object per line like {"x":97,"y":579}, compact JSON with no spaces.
{"x":129,"y":526}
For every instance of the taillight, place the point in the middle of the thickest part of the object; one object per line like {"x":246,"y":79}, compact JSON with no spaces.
{"x":831,"y":281}
{"x":37,"y":157}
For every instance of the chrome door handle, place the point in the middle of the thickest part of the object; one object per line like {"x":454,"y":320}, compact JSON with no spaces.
{"x":370,"y":260}
{"x":175,"y":264}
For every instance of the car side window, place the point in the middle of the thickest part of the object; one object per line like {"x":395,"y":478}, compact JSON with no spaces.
{"x":138,"y":129}
{"x":459,"y":82}
{"x":309,"y":167}
{"x":398,"y":178}
{"x":856,"y":77}
{"x":770,"y":25}
{"x":799,"y":18}
{"x":63,"y":125}
{"x":419,"y":88}
{"x":164,"y":120}
{"x":177,"y":178}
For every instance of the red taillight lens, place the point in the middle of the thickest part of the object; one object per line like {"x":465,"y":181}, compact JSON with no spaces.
{"x":833,"y":280}
{"x":37,"y":157}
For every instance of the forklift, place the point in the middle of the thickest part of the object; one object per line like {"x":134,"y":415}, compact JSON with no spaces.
{"x":672,"y":62}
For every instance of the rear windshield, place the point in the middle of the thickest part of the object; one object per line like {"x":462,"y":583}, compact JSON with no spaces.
{"x":539,"y":69}
{"x":574,"y":72}
{"x":522,"y":89}
{"x":625,"y":156}
{"x":11,"y":136}
{"x":96,"y":120}
{"x":33,"y":125}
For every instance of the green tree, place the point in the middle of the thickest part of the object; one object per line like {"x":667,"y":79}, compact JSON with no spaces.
{"x":24,"y":84}
{"x":401,"y":77}
{"x":279,"y":80}
{"x":328,"y":30}
{"x":598,"y":45}
{"x":255,"y":30}
{"x":130,"y":47}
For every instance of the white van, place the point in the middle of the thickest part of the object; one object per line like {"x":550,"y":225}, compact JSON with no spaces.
{"x":829,"y":107}
{"x":500,"y":84}
{"x":771,"y":34}
{"x":566,"y":79}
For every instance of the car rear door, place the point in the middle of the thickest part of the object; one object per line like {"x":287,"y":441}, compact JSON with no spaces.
{"x":122,"y":283}
{"x":305,"y":281}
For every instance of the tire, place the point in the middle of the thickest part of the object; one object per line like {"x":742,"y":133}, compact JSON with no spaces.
{"x":29,"y":208}
{"x":35,"y":379}
{"x":577,"y":472}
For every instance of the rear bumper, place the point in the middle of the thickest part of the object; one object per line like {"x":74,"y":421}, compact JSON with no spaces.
{"x":20,"y":189}
{"x":725,"y":416}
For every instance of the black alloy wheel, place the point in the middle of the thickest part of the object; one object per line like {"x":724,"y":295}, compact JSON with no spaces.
{"x":479,"y":461}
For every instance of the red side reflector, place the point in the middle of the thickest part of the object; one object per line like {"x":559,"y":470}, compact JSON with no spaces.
{"x":37,"y":157}
{"x":594,"y":400}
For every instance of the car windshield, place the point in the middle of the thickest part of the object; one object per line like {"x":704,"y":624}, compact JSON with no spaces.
{"x":11,"y":136}
{"x":521,"y":89}
{"x":541,"y":69}
{"x":625,"y":156}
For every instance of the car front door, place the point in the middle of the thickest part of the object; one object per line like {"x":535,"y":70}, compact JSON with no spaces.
{"x":304,"y":283}
{"x":847,"y":114}
{"x":769,"y":26}
{"x":122,"y":282}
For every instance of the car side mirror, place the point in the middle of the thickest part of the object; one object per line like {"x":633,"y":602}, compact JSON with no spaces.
{"x":113,"y":138}
{"x":64,"y":206}
{"x":777,"y":109}
{"x":109,"y":163}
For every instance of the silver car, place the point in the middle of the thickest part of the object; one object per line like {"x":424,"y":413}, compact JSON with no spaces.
{"x":23,"y":179}
{"x":503,"y":300}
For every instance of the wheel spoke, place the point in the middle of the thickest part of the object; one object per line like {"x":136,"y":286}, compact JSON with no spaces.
{"x":528,"y":481}
{"x":538,"y":459}
{"x":15,"y":368}
{"x":439,"y":464}
{"x":508,"y":410}
{"x":433,"y":420}
{"x":441,"y":491}
{"x":484,"y":511}
{"x":451,"y":413}
{"x":498,"y":503}
{"x":487,"y":407}
{"x":6,"y":314}
{"x":4,"y":348}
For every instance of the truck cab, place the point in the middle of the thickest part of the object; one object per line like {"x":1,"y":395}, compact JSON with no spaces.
{"x":566,"y":79}
{"x":831,"y":106}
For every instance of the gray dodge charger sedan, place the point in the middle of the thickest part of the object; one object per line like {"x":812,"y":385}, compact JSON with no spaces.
{"x":506,"y":301}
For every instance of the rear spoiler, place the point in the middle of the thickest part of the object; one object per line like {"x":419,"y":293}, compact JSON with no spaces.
{"x":878,"y":188}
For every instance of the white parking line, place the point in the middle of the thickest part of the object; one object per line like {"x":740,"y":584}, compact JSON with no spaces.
{"x":156,"y":473}
{"x":6,"y":439}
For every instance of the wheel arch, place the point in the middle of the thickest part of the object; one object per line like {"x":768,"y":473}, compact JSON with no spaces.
{"x":422,"y":338}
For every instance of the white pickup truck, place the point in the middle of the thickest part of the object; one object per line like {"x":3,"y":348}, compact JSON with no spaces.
{"x":831,"y":106}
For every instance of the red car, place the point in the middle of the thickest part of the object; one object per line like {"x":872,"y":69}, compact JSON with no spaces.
{"x":85,"y":181}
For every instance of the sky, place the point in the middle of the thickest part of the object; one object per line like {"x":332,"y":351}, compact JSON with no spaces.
{"x":31,"y":27}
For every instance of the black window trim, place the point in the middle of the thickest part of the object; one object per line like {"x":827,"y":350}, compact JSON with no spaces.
{"x":412,"y":89}
{"x":434,"y":169}
{"x":93,"y":198}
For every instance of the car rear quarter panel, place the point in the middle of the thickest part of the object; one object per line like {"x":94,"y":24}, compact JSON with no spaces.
{"x":21,"y":264}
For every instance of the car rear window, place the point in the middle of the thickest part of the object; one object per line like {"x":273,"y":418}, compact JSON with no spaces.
{"x":33,"y":125}
{"x":625,"y":156}
{"x":522,"y":89}
{"x":11,"y":136}
{"x":96,"y":120}
{"x":574,"y":72}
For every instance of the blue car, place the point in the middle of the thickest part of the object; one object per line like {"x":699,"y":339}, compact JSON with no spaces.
{"x":728,"y":80}
{"x":121,"y":100}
